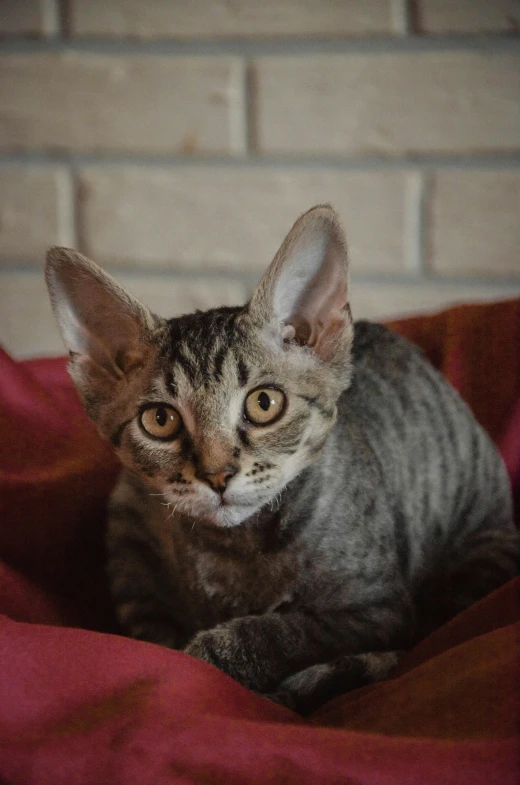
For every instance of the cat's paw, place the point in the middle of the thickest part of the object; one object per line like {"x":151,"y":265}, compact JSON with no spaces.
{"x":221,"y":647}
{"x":306,"y":690}
{"x":282,"y":698}
{"x":211,"y":646}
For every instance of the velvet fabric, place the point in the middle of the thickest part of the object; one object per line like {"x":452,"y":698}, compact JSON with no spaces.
{"x":81,"y":704}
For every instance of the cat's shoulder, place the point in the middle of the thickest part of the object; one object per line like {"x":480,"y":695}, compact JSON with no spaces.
{"x":376,"y":342}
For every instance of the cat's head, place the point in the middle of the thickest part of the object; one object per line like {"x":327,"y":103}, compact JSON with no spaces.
{"x":220,"y":410}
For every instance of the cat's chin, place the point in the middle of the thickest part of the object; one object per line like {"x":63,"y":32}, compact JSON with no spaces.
{"x":229,"y":515}
{"x":235,"y":510}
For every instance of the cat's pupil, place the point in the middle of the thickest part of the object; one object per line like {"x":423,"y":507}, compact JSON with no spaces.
{"x":161,"y":417}
{"x":264,"y":401}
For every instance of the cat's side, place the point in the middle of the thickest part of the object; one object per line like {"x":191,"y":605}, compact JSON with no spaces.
{"x":301,"y":496}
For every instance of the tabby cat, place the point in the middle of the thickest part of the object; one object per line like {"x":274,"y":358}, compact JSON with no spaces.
{"x":301,"y":496}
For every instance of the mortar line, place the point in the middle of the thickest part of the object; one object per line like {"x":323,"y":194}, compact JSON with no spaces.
{"x":66,"y":20}
{"x":414,"y":17}
{"x":412,"y":222}
{"x":492,"y":160}
{"x":426,"y":224}
{"x":66,"y":209}
{"x":283,"y":47}
{"x":251,"y":278}
{"x":251,"y":107}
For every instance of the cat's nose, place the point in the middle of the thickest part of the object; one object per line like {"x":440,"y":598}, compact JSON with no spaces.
{"x":218,"y":480}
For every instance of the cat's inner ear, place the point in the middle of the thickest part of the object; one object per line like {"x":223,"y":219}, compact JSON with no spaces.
{"x":98,"y":319}
{"x":304,"y":293}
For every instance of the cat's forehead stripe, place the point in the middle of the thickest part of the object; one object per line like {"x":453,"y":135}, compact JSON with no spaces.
{"x":243,"y":372}
{"x":218,"y":361}
{"x":205,"y":347}
{"x":193,"y":369}
{"x":170,"y":383}
{"x":201,"y":342}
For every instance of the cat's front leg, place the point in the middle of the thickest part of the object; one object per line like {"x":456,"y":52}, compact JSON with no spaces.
{"x":140,"y":582}
{"x":307,"y":690}
{"x":139,"y":603}
{"x":261,"y":651}
{"x":257,"y":651}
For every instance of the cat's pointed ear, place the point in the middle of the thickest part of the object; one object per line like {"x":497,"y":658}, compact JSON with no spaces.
{"x":99,"y":321}
{"x":303,"y":296}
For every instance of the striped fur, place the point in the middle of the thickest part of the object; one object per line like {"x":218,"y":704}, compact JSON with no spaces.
{"x":373,"y":509}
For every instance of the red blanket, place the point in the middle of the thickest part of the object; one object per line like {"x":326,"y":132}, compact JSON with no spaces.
{"x":80,"y":704}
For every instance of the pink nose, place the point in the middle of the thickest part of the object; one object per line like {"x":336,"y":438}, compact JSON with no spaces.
{"x":218,"y":480}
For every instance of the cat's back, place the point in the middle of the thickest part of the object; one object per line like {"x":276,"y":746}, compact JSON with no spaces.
{"x":393,"y":380}
{"x":389,"y":367}
{"x":440,"y":469}
{"x":376,"y":346}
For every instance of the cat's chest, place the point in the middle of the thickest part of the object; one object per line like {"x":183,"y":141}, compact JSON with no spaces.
{"x":251,"y":586}
{"x":217,"y":586}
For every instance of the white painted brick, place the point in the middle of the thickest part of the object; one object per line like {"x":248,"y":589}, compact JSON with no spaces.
{"x":235,"y":219}
{"x":468,"y":16}
{"x":171,"y":296}
{"x":379,"y":301}
{"x":390,"y":103}
{"x":28,"y":328}
{"x":33,"y":18}
{"x":184,"y":19}
{"x":142,"y":104}
{"x":34,"y":211}
{"x":475,"y":223}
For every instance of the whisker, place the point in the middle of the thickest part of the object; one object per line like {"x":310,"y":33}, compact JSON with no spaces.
{"x":172,"y":512}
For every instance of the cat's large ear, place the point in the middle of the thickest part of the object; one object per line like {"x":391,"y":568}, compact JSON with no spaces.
{"x":100,"y":322}
{"x":303,"y":296}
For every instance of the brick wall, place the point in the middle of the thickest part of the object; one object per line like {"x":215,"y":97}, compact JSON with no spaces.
{"x":175,"y":142}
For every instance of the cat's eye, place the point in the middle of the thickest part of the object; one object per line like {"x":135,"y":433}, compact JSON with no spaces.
{"x":264,"y":405}
{"x":161,"y":421}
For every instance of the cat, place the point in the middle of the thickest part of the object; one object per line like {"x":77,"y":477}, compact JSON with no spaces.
{"x":302,"y":497}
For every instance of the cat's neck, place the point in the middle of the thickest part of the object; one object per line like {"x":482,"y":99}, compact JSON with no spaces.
{"x":267,"y":531}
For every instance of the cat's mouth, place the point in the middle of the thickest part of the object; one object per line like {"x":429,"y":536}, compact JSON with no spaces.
{"x":230,"y":509}
{"x":224,"y":500}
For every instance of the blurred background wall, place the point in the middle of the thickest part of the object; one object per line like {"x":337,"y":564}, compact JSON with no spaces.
{"x":176,"y":141}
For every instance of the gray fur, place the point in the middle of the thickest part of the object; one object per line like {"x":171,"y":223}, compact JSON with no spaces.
{"x":308,"y":689}
{"x":373,"y":510}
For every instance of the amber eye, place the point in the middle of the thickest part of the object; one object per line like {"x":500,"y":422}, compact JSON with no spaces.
{"x":264,"y":405}
{"x":162,"y":422}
